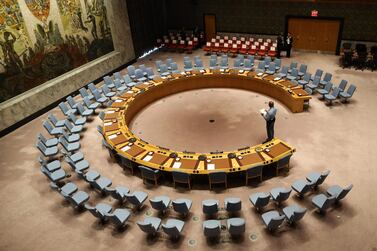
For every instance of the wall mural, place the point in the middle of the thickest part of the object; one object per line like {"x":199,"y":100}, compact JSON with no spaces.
{"x":43,"y":39}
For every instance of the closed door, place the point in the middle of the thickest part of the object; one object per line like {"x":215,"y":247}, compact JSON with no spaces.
{"x":314,"y":34}
{"x":210,"y":26}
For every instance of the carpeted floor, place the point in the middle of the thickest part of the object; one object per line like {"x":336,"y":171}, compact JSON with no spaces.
{"x":341,"y":138}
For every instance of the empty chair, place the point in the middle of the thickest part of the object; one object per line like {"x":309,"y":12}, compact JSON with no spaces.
{"x":54,"y":176}
{"x":272,"y":220}
{"x":342,"y":85}
{"x":118,"y":75}
{"x":66,"y":190}
{"x":305,"y":80}
{"x":129,"y":82}
{"x":76,"y":121}
{"x":182,"y":206}
{"x":277,"y":63}
{"x":131,"y":71}
{"x":108,"y":82}
{"x":251,"y":58}
{"x":314,"y":84}
{"x":54,"y":120}
{"x":64,"y":108}
{"x":160,"y":203}
{"x":236,"y":226}
{"x":139,"y":75}
{"x":150,"y":225}
{"x":48,"y":142}
{"x":47,"y":151}
{"x":302,"y":70}
{"x":150,"y":73}
{"x":261,"y":67}
{"x":283,"y":163}
{"x":292,"y":66}
{"x":101,"y":184}
{"x":332,"y":96}
{"x":294,"y":213}
{"x":119,"y":217}
{"x":137,"y":198}
{"x":213,"y":63}
{"x":158,"y":64}
{"x":72,"y":103}
{"x":271,"y":68}
{"x":84,"y":93}
{"x":237,"y":63}
{"x":89,"y":176}
{"x":174,"y":68}
{"x":119,"y":193}
{"x":248,"y":65}
{"x":143,"y":69}
{"x":267,"y":61}
{"x":78,"y":165}
{"x":51,"y":166}
{"x":302,"y":187}
{"x":293,"y":75}
{"x":283,"y":73}
{"x":91,"y":105}
{"x":181,"y":177}
{"x":232,"y":204}
{"x":93,"y":88}
{"x":338,"y":192}
{"x":326,"y":79}
{"x":318,"y":73}
{"x":107,"y":92}
{"x":280,"y":194}
{"x":100,"y":211}
{"x":224,"y":63}
{"x":217,"y":177}
{"x":173,"y":228}
{"x":72,"y":128}
{"x":83,"y":111}
{"x":241,"y":58}
{"x":259,"y":200}
{"x":211,"y":228}
{"x":187,"y":66}
{"x":254,"y":172}
{"x":78,"y":199}
{"x":99,"y":98}
{"x":164,"y":70}
{"x":317,"y":178}
{"x":346,"y":95}
{"x":322,"y":202}
{"x":149,"y":174}
{"x":119,"y":86}
{"x":69,"y":147}
{"x":210,"y":206}
{"x":71,"y":137}
{"x":199,"y":65}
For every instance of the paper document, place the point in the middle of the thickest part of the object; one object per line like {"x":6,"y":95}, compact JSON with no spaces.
{"x":148,"y":157}
{"x":108,"y":112}
{"x":210,"y":166}
{"x":125,"y":148}
{"x":263,"y":112}
{"x":113,"y":136}
{"x":118,"y":100}
{"x":108,"y":123}
{"x":260,"y":74}
{"x":277,"y":78}
{"x":177,"y":164}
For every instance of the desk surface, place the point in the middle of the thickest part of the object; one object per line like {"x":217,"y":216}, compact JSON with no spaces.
{"x":124,"y":142}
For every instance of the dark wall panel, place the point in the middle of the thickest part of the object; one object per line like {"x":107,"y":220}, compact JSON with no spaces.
{"x":268,"y":17}
{"x":148,"y":21}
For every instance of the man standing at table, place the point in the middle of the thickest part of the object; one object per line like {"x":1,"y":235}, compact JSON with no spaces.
{"x":289,"y":42}
{"x":269,"y":115}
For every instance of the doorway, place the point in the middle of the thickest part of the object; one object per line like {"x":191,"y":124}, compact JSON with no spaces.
{"x":210,"y":26}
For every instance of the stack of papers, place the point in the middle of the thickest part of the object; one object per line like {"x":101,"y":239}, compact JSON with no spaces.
{"x":263,"y":112}
{"x":108,"y":123}
{"x":118,"y":100}
{"x":113,"y":136}
{"x":277,"y":78}
{"x":202,"y":71}
{"x":260,"y":74}
{"x":110,"y":111}
{"x":148,"y":157}
{"x":222,"y":70}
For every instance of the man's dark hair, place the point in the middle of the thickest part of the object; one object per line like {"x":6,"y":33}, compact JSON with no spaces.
{"x":271,"y":104}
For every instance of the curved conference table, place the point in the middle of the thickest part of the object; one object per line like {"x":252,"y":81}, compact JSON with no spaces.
{"x":121,"y":140}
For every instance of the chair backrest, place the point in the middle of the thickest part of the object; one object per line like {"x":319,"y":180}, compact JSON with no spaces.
{"x":80,"y":108}
{"x":316,"y":81}
{"x":323,"y":177}
{"x":199,"y":63}
{"x":63,"y":107}
{"x":247,"y":63}
{"x":327,"y":77}
{"x":298,"y":214}
{"x":307,"y":77}
{"x":237,"y":62}
{"x":72,"y":117}
{"x":149,"y":71}
{"x":146,"y":227}
{"x":284,"y":70}
{"x":127,"y":79}
{"x":261,"y":65}
{"x":271,"y":67}
{"x":254,"y":171}
{"x":181,"y":177}
{"x":212,"y":231}
{"x":293,"y":65}
{"x":42,"y":138}
{"x":284,"y":195}
{"x":158,"y":64}
{"x":294,"y":72}
{"x":217,"y":177}
{"x":251,"y":57}
{"x":139,"y":73}
{"x":68,"y":125}
{"x":48,"y":126}
{"x":186,"y":58}
{"x":343,"y":84}
{"x":52,"y":118}
{"x":328,"y":203}
{"x":187,"y":64}
{"x":351,"y":89}
{"x":344,"y":192}
{"x":142,"y":68}
{"x":96,"y":94}
{"x":336,"y":92}
{"x":263,"y":201}
{"x":180,"y":207}
{"x":163,"y":68}
{"x":212,"y":62}
{"x":277,"y":62}
{"x":147,"y":172}
{"x":84,"y":93}
{"x":157,"y":204}
{"x":117,"y":75}
{"x":318,"y":73}
{"x":267,"y":60}
{"x":284,"y":161}
{"x":41,"y":146}
{"x":224,"y":61}
{"x":71,"y":102}
{"x":303,"y":68}
{"x":237,"y":227}
{"x":174,"y":66}
{"x":131,"y":69}
{"x":276,"y":222}
{"x":108,"y":80}
{"x":171,"y":230}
